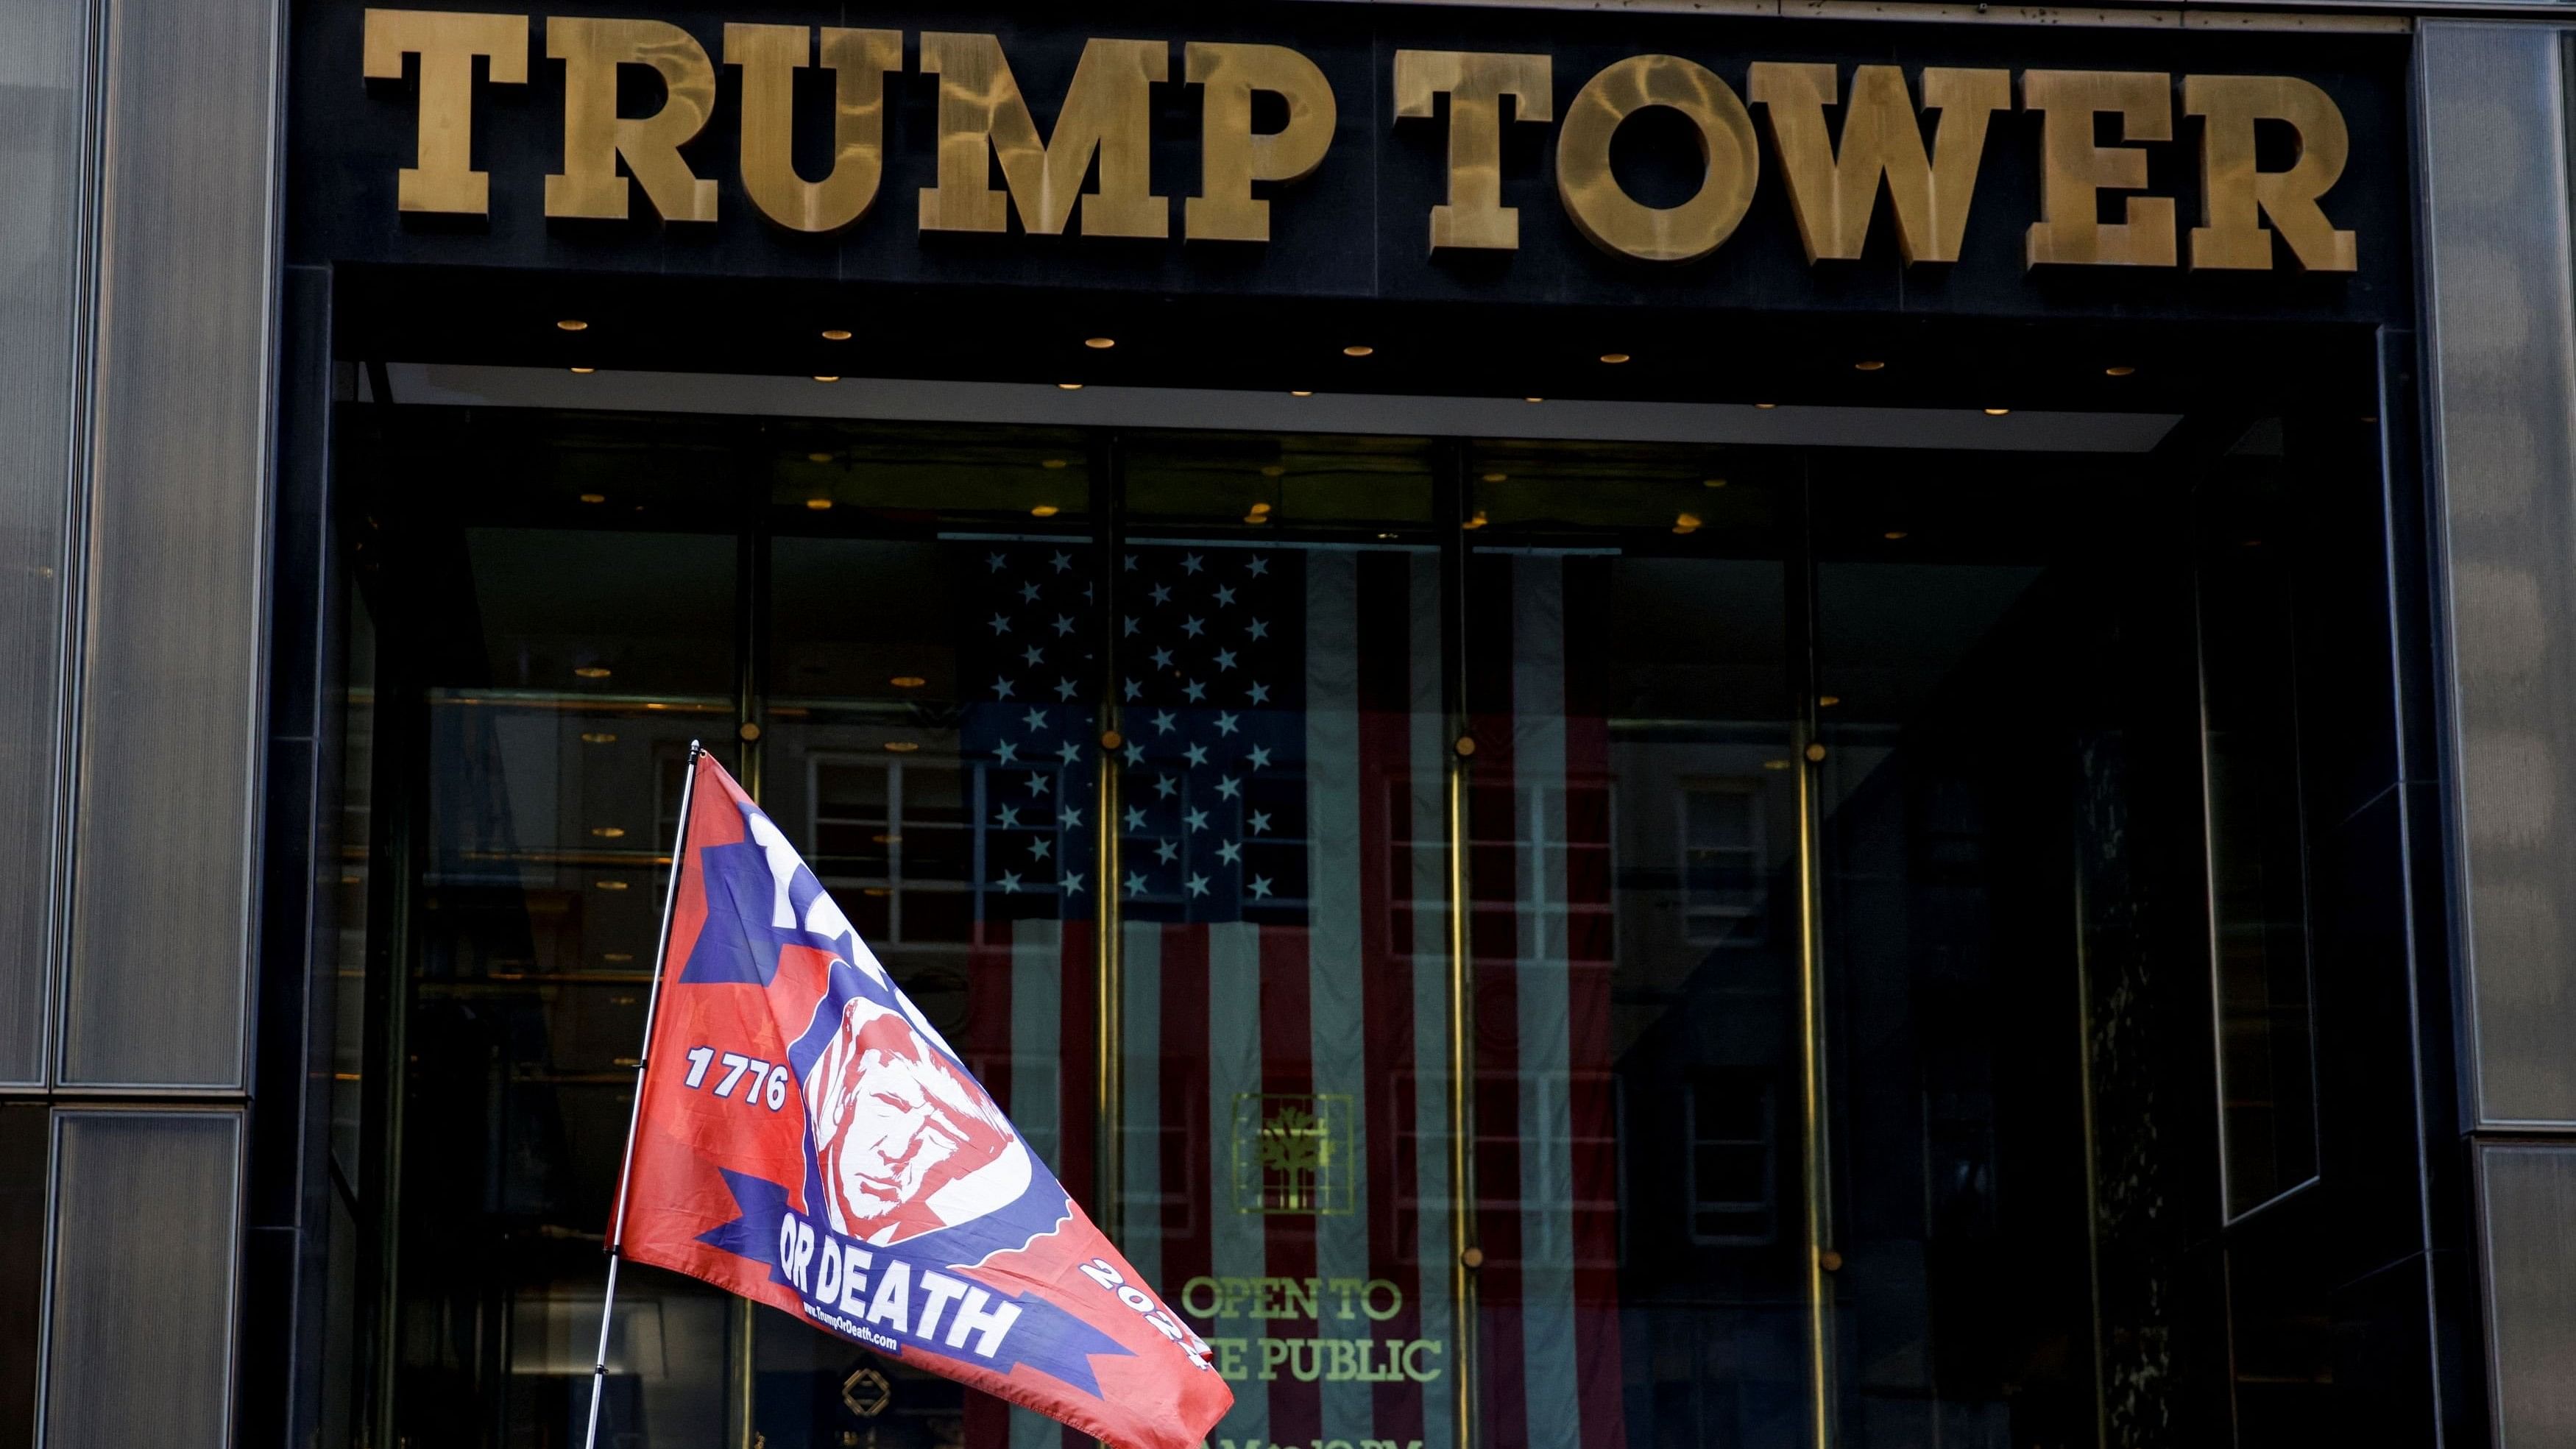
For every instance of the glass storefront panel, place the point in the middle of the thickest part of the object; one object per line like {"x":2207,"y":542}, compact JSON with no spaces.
{"x":1633,"y":829}
{"x":1284,"y":950}
{"x":1830,"y":825}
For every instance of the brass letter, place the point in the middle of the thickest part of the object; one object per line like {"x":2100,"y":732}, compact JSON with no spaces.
{"x":2231,"y":189}
{"x":770,"y":56}
{"x":1109,"y":108}
{"x":1231,"y":157}
{"x":2072,"y":168}
{"x":596,"y":137}
{"x":1833,"y":196}
{"x":447,"y":42}
{"x":1615,"y":220}
{"x":1476,"y":81}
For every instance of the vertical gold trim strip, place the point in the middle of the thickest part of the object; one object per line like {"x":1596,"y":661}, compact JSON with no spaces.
{"x":1464,"y":1255}
{"x":1108,"y":997}
{"x":1816,"y":1143}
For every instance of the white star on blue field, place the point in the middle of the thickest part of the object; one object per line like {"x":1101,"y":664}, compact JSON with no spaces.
{"x":1208,"y":671}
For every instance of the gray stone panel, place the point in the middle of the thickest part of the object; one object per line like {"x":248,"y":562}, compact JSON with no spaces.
{"x":172,"y":645}
{"x":139,"y":1323}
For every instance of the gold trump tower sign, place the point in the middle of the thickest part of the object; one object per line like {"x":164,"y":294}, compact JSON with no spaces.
{"x":1102,"y":134}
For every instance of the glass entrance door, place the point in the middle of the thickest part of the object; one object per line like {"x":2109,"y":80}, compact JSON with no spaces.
{"x":1524,"y":943}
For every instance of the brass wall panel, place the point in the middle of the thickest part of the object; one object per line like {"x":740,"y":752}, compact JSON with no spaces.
{"x":2498,"y":321}
{"x":146,"y":1242}
{"x":44,"y":99}
{"x":171,"y":645}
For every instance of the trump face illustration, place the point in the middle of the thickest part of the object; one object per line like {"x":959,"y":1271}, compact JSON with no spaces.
{"x":906,"y":1143}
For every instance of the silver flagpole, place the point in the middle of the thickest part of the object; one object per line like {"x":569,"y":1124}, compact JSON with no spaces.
{"x":635,"y":1113}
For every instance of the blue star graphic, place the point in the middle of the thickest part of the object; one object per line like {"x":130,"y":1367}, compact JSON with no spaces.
{"x":1073,"y":883}
{"x":1160,"y":593}
{"x":1260,"y":692}
{"x":1063,"y":625}
{"x":1229,"y":787}
{"x":1260,"y":757}
{"x":1135,"y":752}
{"x":994,"y":561}
{"x":1033,"y":655}
{"x":1064,"y":689}
{"x":1135,"y":883}
{"x":1224,"y":660}
{"x":1259,"y":566}
{"x":1260,"y":822}
{"x":1224,"y":723}
{"x":1063,"y":561}
{"x":1261,"y":886}
{"x":1224,"y":595}
{"x":1029,"y":592}
{"x":1166,"y":851}
{"x":1195,"y":819}
{"x":1001,"y":623}
{"x":1001,"y":689}
{"x":1260,"y":629}
{"x":1007,"y":753}
{"x":1194,"y":691}
{"x":1036,"y":718}
{"x":1038,"y":847}
{"x":1010,"y":883}
{"x":1229,"y":852}
{"x":1190,"y":563}
{"x":1164,"y":788}
{"x":1195,"y":754}
{"x":1135,"y":819}
{"x":1162,"y":721}
{"x":1198,"y":885}
{"x":1008,"y":817}
{"x":1193,"y":626}
{"x":1037,"y":784}
{"x":1068,"y":752}
{"x":1162,"y":659}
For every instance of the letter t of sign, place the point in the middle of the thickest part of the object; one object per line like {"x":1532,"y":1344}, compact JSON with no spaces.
{"x":446,"y":42}
{"x":1476,"y":82}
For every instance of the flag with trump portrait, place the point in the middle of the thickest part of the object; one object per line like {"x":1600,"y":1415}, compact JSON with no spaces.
{"x":805,"y":1138}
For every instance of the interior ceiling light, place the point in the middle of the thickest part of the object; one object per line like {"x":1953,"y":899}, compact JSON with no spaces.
{"x":1051,"y":462}
{"x":616,"y":955}
{"x":827,"y":377}
{"x":1070,"y":386}
{"x":1256,"y":518}
{"x":1997,"y":412}
{"x":836,"y":334}
{"x":1828,"y":701}
{"x":1301,"y":392}
{"x":818,"y":504}
{"x":1272,"y":470}
{"x":1893,"y":534}
{"x":610,"y":885}
{"x":1475,"y":520}
{"x":1868,"y":364}
{"x":594,"y":498}
{"x":818,"y":457}
{"x":1358,"y":349}
{"x":2118,"y":369}
{"x":1389,"y":536}
{"x":585,"y":371}
{"x":608,"y":832}
{"x":1533,"y":399}
{"x":1044,"y":510}
{"x":1261,"y":508}
{"x":591,"y":671}
{"x":573,"y":324}
{"x":1100,"y":344}
{"x":907,"y":681}
{"x":1766,"y":407}
{"x":901,"y":747}
{"x":1496,"y":477}
{"x":598,"y":737}
{"x":1712,"y":482}
{"x":1685,"y":523}
{"x":1614,"y":358}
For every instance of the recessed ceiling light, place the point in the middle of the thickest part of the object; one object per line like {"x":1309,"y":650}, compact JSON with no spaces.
{"x":1070,"y":386}
{"x":598,"y":737}
{"x":1051,"y":462}
{"x":901,"y":747}
{"x":609,"y":832}
{"x":1475,"y":520}
{"x":1685,"y":523}
{"x":1496,"y":477}
{"x":1775,"y":764}
{"x":1712,"y":482}
{"x":585,"y":371}
{"x":594,"y":498}
{"x":1893,"y":534}
{"x":1100,"y":344}
{"x":1261,"y":508}
{"x":1766,"y":407}
{"x":836,"y":334}
{"x":1387,"y":535}
{"x":616,"y":955}
{"x":2118,"y":369}
{"x":1301,"y":392}
{"x":1614,"y":358}
{"x":818,"y":504}
{"x":1828,"y":701}
{"x":1272,"y":470}
{"x":907,"y":681}
{"x":888,"y":838}
{"x":610,"y":885}
{"x":827,"y":377}
{"x":1533,"y":399}
{"x":818,"y":457}
{"x":1044,"y":510}
{"x":1358,"y":349}
{"x":1256,"y":517}
{"x":1997,"y":412}
{"x":573,"y":324}
{"x":591,"y":671}
{"x":1868,"y":364}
